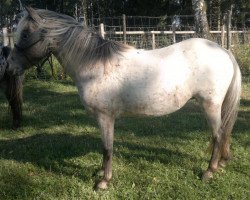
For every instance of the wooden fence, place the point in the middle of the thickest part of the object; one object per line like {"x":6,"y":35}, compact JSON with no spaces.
{"x":225,"y":33}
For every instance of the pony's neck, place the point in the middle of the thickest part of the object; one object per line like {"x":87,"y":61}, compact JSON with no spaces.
{"x":80,"y":49}
{"x":66,"y":66}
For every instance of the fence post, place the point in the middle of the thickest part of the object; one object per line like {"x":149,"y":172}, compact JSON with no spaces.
{"x":229,"y":35}
{"x":11,"y":40}
{"x":223,"y":32}
{"x":101,"y":30}
{"x":5,"y":37}
{"x":174,"y":35}
{"x":124,"y":28}
{"x":153,"y":41}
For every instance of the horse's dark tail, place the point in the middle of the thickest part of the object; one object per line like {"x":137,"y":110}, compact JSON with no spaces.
{"x":14,"y":94}
{"x":230,"y":108}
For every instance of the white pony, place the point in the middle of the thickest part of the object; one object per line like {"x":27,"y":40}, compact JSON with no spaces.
{"x":114,"y":79}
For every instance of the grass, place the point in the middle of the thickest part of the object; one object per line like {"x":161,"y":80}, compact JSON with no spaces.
{"x":58,"y":149}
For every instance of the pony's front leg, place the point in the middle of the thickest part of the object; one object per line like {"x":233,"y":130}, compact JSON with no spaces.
{"x":106,"y":124}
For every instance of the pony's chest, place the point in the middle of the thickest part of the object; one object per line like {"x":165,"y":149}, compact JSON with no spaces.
{"x":100,"y":96}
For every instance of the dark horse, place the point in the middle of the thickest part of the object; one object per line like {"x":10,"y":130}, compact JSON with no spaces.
{"x":12,"y":87}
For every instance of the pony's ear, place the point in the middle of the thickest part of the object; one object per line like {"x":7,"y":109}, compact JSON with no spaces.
{"x":33,"y":14}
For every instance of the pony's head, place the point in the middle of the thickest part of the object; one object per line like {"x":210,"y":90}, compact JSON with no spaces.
{"x":33,"y":43}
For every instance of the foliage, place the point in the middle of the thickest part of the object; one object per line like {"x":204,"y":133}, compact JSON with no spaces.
{"x":242,"y":53}
{"x":57,"y":151}
{"x":7,"y":8}
{"x":46,"y":71}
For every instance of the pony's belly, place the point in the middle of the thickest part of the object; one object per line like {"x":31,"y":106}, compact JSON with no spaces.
{"x":144,"y":110}
{"x":155,"y":105}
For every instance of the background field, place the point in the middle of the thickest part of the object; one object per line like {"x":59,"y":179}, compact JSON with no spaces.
{"x":58,"y":149}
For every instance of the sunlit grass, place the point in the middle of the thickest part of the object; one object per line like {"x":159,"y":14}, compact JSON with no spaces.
{"x":58,"y":149}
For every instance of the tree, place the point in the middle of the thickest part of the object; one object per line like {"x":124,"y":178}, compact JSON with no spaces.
{"x":8,"y":8}
{"x":215,"y":14}
{"x":201,"y":23}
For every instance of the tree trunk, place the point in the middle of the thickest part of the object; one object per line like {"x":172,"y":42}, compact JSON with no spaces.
{"x":61,"y":6}
{"x":84,"y":11}
{"x":215,"y":14}
{"x":201,"y":24}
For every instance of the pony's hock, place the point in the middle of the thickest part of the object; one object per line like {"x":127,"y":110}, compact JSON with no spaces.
{"x":114,"y":79}
{"x":12,"y":87}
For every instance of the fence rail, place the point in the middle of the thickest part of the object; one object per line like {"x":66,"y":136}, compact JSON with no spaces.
{"x":8,"y":39}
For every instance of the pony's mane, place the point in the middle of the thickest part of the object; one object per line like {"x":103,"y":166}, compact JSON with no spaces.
{"x":78,"y":43}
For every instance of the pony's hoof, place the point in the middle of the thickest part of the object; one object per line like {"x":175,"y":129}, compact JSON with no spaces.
{"x":207,"y":175}
{"x":102,"y":185}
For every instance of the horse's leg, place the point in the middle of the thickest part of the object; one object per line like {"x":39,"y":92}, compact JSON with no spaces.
{"x":213,"y":114}
{"x":16,"y":115}
{"x":15,"y":106}
{"x":106,"y":124}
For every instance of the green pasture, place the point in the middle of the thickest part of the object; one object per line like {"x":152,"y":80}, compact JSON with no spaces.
{"x":58,"y":150}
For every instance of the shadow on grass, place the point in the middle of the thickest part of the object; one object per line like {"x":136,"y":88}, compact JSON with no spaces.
{"x":49,"y":152}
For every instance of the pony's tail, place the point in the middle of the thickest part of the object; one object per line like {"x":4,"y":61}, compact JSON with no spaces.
{"x":230,"y":107}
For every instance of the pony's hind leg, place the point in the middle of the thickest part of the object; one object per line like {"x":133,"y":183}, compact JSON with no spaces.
{"x":106,"y":124}
{"x":213,"y":114}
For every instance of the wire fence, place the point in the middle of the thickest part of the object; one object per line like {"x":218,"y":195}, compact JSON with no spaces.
{"x":156,"y":32}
